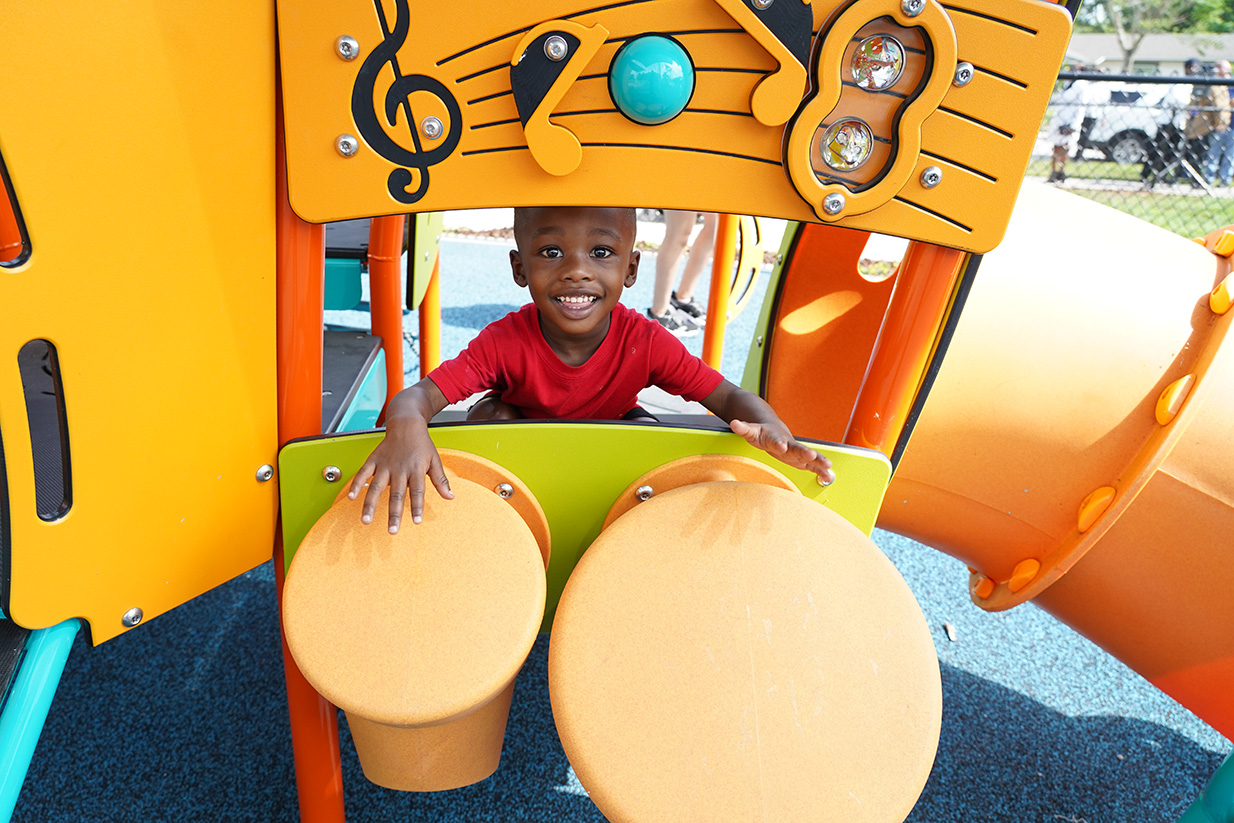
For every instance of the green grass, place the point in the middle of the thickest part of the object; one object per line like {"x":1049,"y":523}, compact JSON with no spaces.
{"x":1188,"y":214}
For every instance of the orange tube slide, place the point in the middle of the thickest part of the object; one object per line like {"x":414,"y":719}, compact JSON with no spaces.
{"x":1075,"y":447}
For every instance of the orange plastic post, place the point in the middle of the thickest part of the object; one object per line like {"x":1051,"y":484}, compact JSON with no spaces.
{"x":924,"y":287}
{"x":385,"y":252}
{"x":717,"y":301}
{"x":430,"y":322}
{"x":300,"y":272}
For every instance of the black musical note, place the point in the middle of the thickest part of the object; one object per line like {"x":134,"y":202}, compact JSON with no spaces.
{"x":398,"y":96}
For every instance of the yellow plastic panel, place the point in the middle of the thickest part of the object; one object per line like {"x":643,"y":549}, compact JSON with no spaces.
{"x":145,"y":174}
{"x":724,"y":153}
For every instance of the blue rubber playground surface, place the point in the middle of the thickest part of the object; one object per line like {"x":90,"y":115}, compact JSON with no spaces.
{"x":185,"y":718}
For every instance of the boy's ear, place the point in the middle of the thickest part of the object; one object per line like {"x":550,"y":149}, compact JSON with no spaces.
{"x":516,"y":268}
{"x":632,"y":274}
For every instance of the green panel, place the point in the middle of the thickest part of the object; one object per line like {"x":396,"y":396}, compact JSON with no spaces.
{"x":343,"y":288}
{"x":425,"y":237}
{"x":752,"y":377}
{"x":575,"y":470}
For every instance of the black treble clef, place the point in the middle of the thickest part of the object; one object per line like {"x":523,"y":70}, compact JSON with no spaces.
{"x":397,"y":96}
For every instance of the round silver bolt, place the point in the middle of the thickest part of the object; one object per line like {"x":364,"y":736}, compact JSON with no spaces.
{"x":504,"y":490}
{"x":931,"y":177}
{"x":347,"y":48}
{"x":265,"y":473}
{"x":963,"y":74}
{"x":762,"y":4}
{"x":644,"y":492}
{"x":556,"y":48}
{"x":347,"y":145}
{"x":431,"y":127}
{"x":833,"y":203}
{"x":331,"y":473}
{"x":131,"y":618}
{"x":912,"y":8}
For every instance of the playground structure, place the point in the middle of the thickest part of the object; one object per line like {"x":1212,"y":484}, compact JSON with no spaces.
{"x":844,"y":360}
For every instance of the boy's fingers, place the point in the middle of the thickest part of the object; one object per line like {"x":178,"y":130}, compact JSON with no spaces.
{"x":371,"y":498}
{"x":417,"y":498}
{"x":397,"y":490}
{"x":357,"y":482}
{"x":437,"y":474}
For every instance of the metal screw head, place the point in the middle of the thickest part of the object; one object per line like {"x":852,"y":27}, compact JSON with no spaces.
{"x":912,"y":8}
{"x":132,"y":617}
{"x":265,"y":473}
{"x":644,"y":492}
{"x":833,"y":203}
{"x":931,"y":177}
{"x":331,"y":473}
{"x":504,"y":490}
{"x":347,"y":145}
{"x":963,"y":74}
{"x":431,"y":127}
{"x":556,"y":48}
{"x":347,"y":48}
{"x":762,"y":4}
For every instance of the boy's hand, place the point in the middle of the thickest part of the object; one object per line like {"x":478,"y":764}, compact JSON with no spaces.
{"x":777,"y":441}
{"x":404,"y":456}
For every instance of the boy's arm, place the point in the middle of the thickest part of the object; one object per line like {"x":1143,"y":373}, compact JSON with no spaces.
{"x":404,"y":456}
{"x":752,"y":417}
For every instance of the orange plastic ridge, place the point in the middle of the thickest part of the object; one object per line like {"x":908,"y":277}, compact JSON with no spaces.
{"x":1122,"y":490}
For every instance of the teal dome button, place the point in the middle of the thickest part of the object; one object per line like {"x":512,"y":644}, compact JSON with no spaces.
{"x":651,"y":79}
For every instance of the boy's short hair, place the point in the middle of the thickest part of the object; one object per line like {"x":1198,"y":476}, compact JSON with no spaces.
{"x":522,"y":213}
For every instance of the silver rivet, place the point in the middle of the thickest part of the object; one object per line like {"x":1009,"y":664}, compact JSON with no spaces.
{"x":131,"y":618}
{"x":431,"y":126}
{"x":331,"y":473}
{"x":931,"y":177}
{"x":762,"y":4}
{"x":758,"y":340}
{"x":833,"y":203}
{"x":912,"y":8}
{"x":644,"y":492}
{"x":504,"y":490}
{"x":556,"y":48}
{"x":963,"y":74}
{"x":347,"y":47}
{"x":265,"y":473}
{"x":347,"y":145}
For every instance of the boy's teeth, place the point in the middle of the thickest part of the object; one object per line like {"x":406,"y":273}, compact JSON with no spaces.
{"x":577,"y":300}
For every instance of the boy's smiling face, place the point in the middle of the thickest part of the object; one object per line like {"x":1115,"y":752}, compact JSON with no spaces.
{"x":575,"y":262}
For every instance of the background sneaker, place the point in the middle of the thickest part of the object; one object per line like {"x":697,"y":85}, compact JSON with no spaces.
{"x":676,"y":322}
{"x":691,"y":307}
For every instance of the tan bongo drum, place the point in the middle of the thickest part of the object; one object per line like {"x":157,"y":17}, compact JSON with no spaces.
{"x":418,"y":636}
{"x":732,"y":651}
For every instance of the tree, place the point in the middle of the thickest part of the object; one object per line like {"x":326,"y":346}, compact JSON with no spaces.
{"x":1131,"y":20}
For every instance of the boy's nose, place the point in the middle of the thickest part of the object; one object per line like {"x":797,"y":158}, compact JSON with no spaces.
{"x":579,"y":268}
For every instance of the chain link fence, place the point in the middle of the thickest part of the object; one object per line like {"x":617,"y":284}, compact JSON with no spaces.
{"x":1153,"y":147}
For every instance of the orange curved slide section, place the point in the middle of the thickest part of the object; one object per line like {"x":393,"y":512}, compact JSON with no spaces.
{"x":1076,"y":446}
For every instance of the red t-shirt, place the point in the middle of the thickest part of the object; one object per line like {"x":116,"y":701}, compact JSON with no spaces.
{"x":511,"y":356}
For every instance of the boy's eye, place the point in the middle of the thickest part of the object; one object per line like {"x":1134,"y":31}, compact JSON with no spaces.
{"x":602,"y":252}
{"x":550,"y":251}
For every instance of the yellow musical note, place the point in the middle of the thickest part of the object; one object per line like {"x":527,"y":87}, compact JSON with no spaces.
{"x":777,"y":95}
{"x":546,"y":63}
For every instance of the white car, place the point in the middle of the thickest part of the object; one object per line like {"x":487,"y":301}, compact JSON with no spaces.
{"x":1126,"y":122}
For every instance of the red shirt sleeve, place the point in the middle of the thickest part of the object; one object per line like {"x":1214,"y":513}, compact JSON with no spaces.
{"x":475,"y":369}
{"x":677,"y":371}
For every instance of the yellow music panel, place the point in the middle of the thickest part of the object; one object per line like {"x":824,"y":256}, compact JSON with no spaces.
{"x":907,"y":117}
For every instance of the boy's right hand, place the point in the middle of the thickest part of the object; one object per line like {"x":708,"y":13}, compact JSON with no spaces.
{"x":404,"y":456}
{"x":401,"y":461}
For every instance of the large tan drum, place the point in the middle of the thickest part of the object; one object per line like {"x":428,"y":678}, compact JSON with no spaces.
{"x":731,"y":651}
{"x":418,"y":636}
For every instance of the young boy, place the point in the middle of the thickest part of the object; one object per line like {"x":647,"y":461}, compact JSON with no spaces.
{"x":573,"y":352}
